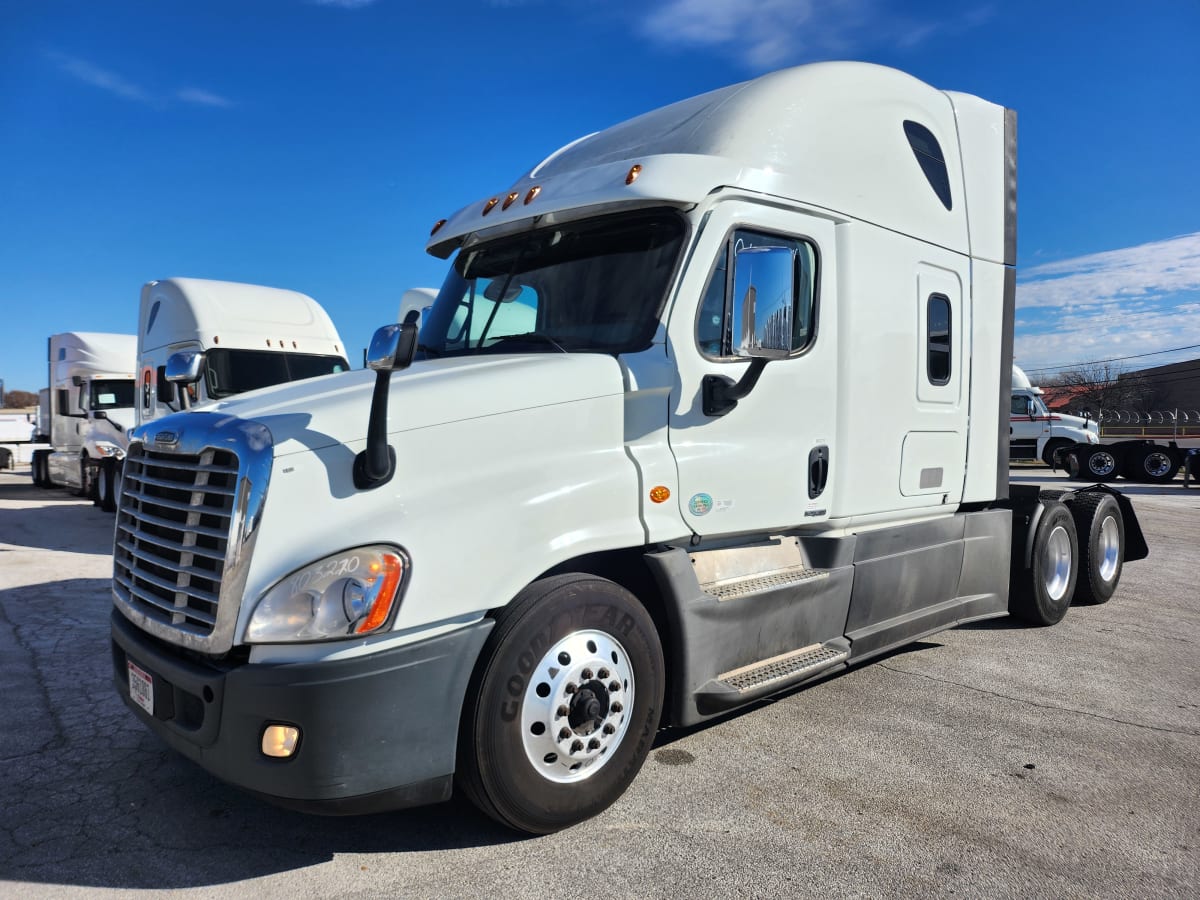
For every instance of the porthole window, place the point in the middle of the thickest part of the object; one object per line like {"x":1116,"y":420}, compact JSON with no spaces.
{"x":929,"y":156}
{"x":937,"y":314}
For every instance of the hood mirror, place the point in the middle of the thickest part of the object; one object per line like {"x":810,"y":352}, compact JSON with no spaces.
{"x":392,"y":348}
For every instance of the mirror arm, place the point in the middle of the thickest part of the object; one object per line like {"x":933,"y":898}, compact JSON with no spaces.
{"x":721,"y":395}
{"x":377,"y":463}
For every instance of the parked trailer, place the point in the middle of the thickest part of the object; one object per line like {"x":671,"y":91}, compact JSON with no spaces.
{"x":711,"y":403}
{"x":89,"y":410}
{"x":1151,"y":462}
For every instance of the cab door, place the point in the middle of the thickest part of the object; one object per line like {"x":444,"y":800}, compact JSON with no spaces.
{"x":765,"y":462}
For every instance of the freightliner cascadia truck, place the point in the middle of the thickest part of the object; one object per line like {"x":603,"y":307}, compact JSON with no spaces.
{"x":90,"y":409}
{"x":711,"y":403}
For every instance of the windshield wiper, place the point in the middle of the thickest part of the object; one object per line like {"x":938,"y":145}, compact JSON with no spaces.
{"x":530,"y":336}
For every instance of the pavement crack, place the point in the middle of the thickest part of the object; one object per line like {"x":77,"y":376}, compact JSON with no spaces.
{"x":1025,"y":702}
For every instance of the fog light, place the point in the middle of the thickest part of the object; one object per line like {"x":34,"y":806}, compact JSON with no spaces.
{"x":280,"y":741}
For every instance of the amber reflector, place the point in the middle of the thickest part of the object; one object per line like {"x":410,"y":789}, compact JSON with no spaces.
{"x":633,"y":174}
{"x":508,"y":201}
{"x":490,"y":205}
{"x":533,"y":192}
{"x":660,"y":494}
{"x":437,"y":227}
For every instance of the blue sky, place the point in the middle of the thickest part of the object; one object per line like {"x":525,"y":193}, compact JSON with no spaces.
{"x":311,"y":144}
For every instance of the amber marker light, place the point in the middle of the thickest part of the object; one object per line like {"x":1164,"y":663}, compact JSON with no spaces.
{"x":437,"y":226}
{"x":533,"y":192}
{"x":660,"y":494}
{"x":633,"y":174}
{"x":490,"y":205}
{"x":508,"y":201}
{"x":280,"y":741}
{"x":388,"y":570}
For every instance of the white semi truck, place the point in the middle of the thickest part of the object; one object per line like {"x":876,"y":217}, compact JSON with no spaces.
{"x":90,"y":409}
{"x":711,"y":403}
{"x":1036,"y":432}
{"x":1074,"y":443}
{"x":240,"y":337}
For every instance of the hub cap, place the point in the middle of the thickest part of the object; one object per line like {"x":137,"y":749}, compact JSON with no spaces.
{"x":577,"y":705}
{"x":1110,"y":548}
{"x":1056,"y":563}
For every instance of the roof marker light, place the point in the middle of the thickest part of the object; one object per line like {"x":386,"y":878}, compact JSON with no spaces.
{"x":490,"y":205}
{"x":508,"y":201}
{"x":533,"y":192}
{"x":633,"y":174}
{"x":437,"y":226}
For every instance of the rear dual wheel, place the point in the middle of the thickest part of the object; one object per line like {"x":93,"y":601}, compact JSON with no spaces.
{"x":1041,"y":594}
{"x":563,"y":706}
{"x":1101,"y":531}
{"x":1151,"y":464}
{"x":1095,"y":463}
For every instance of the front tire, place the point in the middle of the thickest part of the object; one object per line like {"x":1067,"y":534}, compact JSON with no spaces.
{"x":1041,"y":594}
{"x":107,"y":485}
{"x":1051,"y":448}
{"x":563,"y":706}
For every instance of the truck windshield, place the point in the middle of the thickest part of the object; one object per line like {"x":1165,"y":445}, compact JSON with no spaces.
{"x":597,"y":285}
{"x":230,"y":372}
{"x":112,"y":393}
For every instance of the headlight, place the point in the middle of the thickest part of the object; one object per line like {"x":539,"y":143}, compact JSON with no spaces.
{"x":352,"y":593}
{"x":104,"y":448}
{"x":1093,"y":438}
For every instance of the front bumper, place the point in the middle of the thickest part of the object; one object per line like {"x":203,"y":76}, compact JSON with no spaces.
{"x":378,"y":732}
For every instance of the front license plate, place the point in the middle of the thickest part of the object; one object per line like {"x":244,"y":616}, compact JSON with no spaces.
{"x":141,"y":687}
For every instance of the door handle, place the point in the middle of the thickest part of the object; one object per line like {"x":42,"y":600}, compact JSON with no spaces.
{"x":818,"y":471}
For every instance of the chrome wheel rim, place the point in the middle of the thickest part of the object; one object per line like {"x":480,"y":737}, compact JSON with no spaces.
{"x":1110,"y":548}
{"x":577,"y":706}
{"x":1157,"y":465}
{"x":1056,"y":563}
{"x":1102,"y":463}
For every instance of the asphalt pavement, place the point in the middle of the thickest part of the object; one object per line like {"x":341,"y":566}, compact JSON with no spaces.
{"x":993,"y":760}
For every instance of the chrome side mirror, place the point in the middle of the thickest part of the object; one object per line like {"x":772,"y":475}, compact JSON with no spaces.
{"x":392,"y":347}
{"x":185,"y":367}
{"x":764,"y":288}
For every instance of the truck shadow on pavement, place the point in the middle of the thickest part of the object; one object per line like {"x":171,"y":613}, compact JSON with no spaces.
{"x":90,"y":798}
{"x":75,"y":527}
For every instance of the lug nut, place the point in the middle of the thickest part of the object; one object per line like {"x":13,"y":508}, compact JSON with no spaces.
{"x":616,"y":707}
{"x":608,"y":728}
{"x":593,"y":744}
{"x":602,"y":674}
{"x":576,"y":746}
{"x":586,"y":674}
{"x":561,"y":712}
{"x":614,"y":686}
{"x":564,"y":734}
{"x":571,"y":688}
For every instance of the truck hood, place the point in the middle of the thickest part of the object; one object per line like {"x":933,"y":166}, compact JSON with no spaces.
{"x":333,"y":409}
{"x":1068,"y":421}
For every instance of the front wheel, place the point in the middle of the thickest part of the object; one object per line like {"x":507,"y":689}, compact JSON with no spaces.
{"x":563,"y":706}
{"x":107,"y":484}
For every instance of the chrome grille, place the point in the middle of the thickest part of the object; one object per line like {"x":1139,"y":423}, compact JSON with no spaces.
{"x":173,"y":532}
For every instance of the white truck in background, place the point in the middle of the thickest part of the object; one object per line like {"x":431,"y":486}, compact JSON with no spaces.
{"x":711,"y":403}
{"x":1036,"y":432}
{"x":20,"y":437}
{"x":418,"y":300}
{"x":1074,"y":443}
{"x":90,"y":407}
{"x":240,"y":337}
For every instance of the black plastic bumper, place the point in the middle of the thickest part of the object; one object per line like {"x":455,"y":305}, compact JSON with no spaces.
{"x":377,"y":732}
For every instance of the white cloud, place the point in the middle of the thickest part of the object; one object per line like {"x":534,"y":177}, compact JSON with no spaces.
{"x":201,"y":97}
{"x":1146,"y":270}
{"x":1137,"y":300}
{"x":770,"y":33}
{"x":101,"y":78}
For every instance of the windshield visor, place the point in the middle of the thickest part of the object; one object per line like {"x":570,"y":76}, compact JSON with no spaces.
{"x":236,"y":371}
{"x":597,"y":285}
